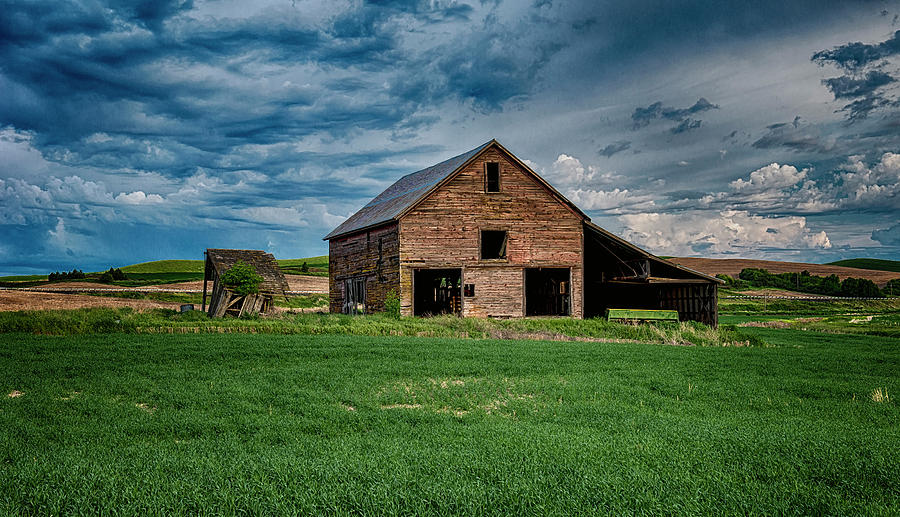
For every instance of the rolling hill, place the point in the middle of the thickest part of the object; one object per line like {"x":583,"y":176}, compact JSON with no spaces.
{"x":733,"y":268}
{"x":868,"y":263}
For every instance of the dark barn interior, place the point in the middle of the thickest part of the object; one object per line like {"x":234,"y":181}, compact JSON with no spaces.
{"x":437,"y":291}
{"x":547,"y":291}
{"x":621,"y":275}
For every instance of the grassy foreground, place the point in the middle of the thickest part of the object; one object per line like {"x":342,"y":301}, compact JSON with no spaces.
{"x":135,"y":424}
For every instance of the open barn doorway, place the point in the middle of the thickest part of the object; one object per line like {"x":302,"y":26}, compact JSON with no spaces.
{"x":437,"y":291}
{"x":547,"y":292}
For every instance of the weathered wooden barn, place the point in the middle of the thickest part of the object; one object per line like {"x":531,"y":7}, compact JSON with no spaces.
{"x":481,"y":234}
{"x":224,"y":300}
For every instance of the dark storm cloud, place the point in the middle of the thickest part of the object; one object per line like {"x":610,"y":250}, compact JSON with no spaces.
{"x":888,"y":236}
{"x":615,"y":147}
{"x":854,"y":56}
{"x":797,"y":135}
{"x":849,"y":87}
{"x":78,"y":59}
{"x":865,"y":75}
{"x":484,"y":67}
{"x":686,"y":125}
{"x":656,"y":111}
{"x":861,"y":108}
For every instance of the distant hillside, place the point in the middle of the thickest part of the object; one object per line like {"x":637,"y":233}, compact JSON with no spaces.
{"x":869,"y":263}
{"x":166,"y":266}
{"x":733,"y":268}
{"x":316,"y":266}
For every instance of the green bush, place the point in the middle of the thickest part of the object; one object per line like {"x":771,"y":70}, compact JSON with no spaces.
{"x":392,"y":304}
{"x":732,"y":282}
{"x":242,"y":278}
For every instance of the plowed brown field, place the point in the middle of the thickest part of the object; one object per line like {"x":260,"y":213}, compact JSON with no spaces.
{"x":11,"y":300}
{"x":14,"y":300}
{"x":733,"y":268}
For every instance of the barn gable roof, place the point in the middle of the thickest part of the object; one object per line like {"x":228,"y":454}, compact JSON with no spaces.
{"x":274,"y":282}
{"x":410,"y":190}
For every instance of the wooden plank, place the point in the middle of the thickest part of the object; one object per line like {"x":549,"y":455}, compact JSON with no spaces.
{"x":641,"y":314}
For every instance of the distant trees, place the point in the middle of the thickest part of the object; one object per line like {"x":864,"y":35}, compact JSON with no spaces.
{"x":75,"y":274}
{"x":107,"y":277}
{"x":112,"y":274}
{"x":804,"y":282}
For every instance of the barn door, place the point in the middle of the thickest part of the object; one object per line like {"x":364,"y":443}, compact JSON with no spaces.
{"x":547,"y":291}
{"x":354,"y":296}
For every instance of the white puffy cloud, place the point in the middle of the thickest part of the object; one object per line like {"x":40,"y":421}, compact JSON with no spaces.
{"x":21,"y":202}
{"x":725,"y":232}
{"x":778,"y":188}
{"x":876,"y":186}
{"x":138,"y":198}
{"x":20,"y":158}
{"x":60,"y":238}
{"x":74,"y":189}
{"x":614,"y":201}
{"x":569,"y":171}
{"x":770,"y":177}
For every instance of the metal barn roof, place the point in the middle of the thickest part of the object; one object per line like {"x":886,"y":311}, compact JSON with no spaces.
{"x":401,"y":195}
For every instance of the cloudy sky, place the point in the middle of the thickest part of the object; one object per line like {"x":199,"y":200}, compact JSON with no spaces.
{"x":147,"y":129}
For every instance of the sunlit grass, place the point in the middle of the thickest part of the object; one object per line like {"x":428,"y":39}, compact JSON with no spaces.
{"x":336,"y":424}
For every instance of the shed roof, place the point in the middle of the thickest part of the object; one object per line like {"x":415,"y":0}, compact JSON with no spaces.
{"x":273,"y":282}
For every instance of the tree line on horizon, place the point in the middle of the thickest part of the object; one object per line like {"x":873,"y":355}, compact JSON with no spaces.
{"x":805,"y":282}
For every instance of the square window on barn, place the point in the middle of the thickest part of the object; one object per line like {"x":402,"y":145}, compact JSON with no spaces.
{"x":493,"y":244}
{"x":492,"y":177}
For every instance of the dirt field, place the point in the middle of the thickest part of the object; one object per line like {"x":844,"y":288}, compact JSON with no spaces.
{"x":25,"y":300}
{"x":733,"y":268}
{"x":12,"y":300}
{"x":314,"y":284}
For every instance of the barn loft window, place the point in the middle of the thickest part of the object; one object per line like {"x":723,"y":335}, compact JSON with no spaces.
{"x":492,"y":177}
{"x":493,"y":244}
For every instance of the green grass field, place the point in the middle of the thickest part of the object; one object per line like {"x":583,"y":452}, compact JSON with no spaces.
{"x":136,"y":424}
{"x":166,"y":266}
{"x":318,"y":266}
{"x":869,"y":263}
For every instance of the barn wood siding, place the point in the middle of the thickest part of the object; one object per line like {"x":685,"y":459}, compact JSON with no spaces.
{"x":443,"y":232}
{"x":358,"y":255}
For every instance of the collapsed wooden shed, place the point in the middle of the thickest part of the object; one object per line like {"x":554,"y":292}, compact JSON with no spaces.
{"x":224,"y":300}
